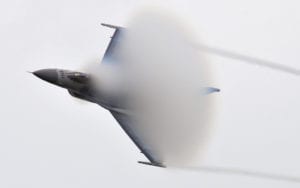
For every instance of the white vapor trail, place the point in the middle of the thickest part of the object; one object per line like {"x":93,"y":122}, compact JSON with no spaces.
{"x":243,"y":172}
{"x":249,"y":59}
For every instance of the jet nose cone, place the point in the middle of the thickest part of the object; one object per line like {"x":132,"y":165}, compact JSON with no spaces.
{"x":49,"y":75}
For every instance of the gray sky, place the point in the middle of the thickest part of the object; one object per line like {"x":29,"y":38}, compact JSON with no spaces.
{"x":48,"y":139}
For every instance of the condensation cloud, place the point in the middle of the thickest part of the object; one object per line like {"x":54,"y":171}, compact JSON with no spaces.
{"x":159,"y":76}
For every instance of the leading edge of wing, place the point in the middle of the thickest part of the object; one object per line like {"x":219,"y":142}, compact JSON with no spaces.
{"x":111,"y":50}
{"x":123,"y":121}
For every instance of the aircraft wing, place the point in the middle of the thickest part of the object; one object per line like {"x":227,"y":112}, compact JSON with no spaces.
{"x":165,"y":134}
{"x":110,"y":53}
{"x":126,"y":123}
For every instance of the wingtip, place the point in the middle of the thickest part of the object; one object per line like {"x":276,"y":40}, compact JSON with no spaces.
{"x":107,"y":25}
{"x":152,"y":164}
{"x":111,"y":26}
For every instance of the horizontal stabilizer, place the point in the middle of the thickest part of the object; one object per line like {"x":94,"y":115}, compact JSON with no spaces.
{"x":209,"y":90}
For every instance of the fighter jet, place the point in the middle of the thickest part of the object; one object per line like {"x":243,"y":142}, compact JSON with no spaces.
{"x":80,"y":85}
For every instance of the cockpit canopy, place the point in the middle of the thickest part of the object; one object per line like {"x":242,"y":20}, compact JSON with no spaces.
{"x":78,"y":77}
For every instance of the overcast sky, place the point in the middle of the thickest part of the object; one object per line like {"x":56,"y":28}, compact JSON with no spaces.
{"x":49,"y":139}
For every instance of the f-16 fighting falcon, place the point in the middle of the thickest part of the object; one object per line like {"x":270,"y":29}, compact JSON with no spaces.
{"x":151,"y":83}
{"x":82,"y":85}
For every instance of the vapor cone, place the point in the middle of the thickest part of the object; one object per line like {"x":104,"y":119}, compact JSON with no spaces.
{"x":161,"y":78}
